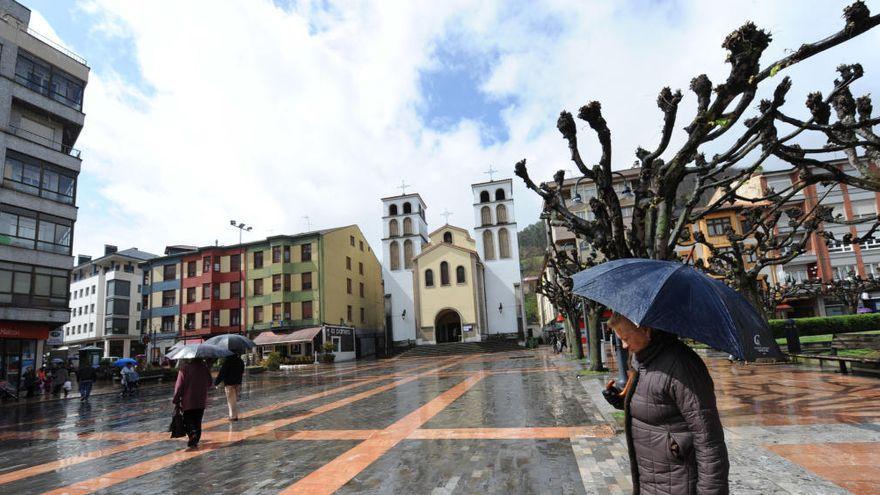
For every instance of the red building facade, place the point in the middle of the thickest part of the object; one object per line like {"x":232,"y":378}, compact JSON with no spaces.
{"x":212,"y":295}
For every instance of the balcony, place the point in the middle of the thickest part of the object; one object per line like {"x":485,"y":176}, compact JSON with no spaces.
{"x":43,"y":141}
{"x":56,"y":46}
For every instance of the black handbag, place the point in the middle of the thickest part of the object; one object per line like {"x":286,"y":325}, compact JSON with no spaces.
{"x":178,"y":426}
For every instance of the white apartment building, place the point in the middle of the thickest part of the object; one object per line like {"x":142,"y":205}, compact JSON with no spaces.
{"x":105,"y":302}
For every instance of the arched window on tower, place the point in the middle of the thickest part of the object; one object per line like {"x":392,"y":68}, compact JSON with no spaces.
{"x":407,"y":208}
{"x":484,"y":197}
{"x":499,"y":194}
{"x":503,"y":244}
{"x":459,"y":275}
{"x":444,"y":273}
{"x":392,"y":210}
{"x":485,"y":216}
{"x":488,"y":245}
{"x":407,"y":253}
{"x":501,"y":214}
{"x":429,"y":278}
{"x":407,"y":226}
{"x":447,"y":237}
{"x":393,"y":230}
{"x":394,"y":253}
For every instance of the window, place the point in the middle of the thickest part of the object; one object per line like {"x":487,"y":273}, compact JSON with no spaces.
{"x":115,"y":306}
{"x":216,"y":291}
{"x":235,"y":316}
{"x":190,"y":321}
{"x":306,"y":253}
{"x":287,"y":282}
{"x":258,"y":287}
{"x":258,"y":314}
{"x":235,"y":290}
{"x":503,"y":244}
{"x":47,"y":80}
{"x":484,"y":197}
{"x":501,"y":214}
{"x":393,"y":230}
{"x":206,"y":264}
{"x":287,"y":254}
{"x":360,"y":268}
{"x":235,"y":262}
{"x":307,"y":281}
{"x":394,"y":254}
{"x":276,"y":254}
{"x":488,"y":245}
{"x":206,"y":318}
{"x":407,"y":254}
{"x":215,"y":318}
{"x":287,"y":311}
{"x":276,"y":283}
{"x":717,"y":226}
{"x":118,"y":287}
{"x":206,"y":291}
{"x":29,"y":229}
{"x":444,"y":273}
{"x":863,"y":209}
{"x":167,"y":323}
{"x":258,"y":259}
{"x":459,"y":275}
{"x":407,"y":226}
{"x":361,"y":245}
{"x":348,"y":286}
{"x":276,"y":311}
{"x":499,"y":195}
{"x":348,"y":313}
{"x":307,"y":310}
{"x":407,"y":208}
{"x":429,"y":278}
{"x":190,"y":294}
{"x":348,"y":263}
{"x":92,"y":308}
{"x":169,"y":272}
{"x":351,"y":240}
{"x":485,"y":216}
{"x":115,"y":326}
{"x":216,"y":263}
{"x":191,"y":269}
{"x":363,"y":316}
{"x":168,"y":297}
{"x":361,"y":289}
{"x":392,"y":210}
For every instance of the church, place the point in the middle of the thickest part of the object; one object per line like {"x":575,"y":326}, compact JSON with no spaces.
{"x":447,"y":285}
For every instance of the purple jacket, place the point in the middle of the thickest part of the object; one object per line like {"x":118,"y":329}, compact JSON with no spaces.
{"x":191,"y":390}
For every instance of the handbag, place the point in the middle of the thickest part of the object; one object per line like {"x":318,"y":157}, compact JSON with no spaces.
{"x":178,"y":426}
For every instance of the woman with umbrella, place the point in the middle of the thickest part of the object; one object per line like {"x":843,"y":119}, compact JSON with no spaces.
{"x":674,"y":433}
{"x":193,"y":383}
{"x":233,"y":368}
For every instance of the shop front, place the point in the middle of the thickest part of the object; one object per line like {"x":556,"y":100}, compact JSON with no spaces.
{"x":21,"y":348}
{"x":289,"y":344}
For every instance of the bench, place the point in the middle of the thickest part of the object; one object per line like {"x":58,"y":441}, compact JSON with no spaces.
{"x":839,"y":343}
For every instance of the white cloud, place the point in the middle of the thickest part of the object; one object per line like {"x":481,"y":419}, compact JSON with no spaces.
{"x":266,"y":115}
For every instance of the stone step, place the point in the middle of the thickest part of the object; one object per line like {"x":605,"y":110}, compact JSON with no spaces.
{"x":455,"y":348}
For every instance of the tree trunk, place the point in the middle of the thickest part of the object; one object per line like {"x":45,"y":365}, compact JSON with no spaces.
{"x":573,"y":337}
{"x":594,"y":331}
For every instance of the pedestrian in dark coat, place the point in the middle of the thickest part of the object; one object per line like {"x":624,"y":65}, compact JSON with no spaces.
{"x":230,"y":376}
{"x":85,"y":376}
{"x":191,"y":396}
{"x":30,"y":381}
{"x":673,"y":431}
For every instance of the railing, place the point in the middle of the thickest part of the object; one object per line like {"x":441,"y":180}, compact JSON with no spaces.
{"x":44,"y":141}
{"x":56,"y":46}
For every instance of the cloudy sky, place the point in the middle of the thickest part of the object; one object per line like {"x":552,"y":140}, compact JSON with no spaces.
{"x":199,"y":112}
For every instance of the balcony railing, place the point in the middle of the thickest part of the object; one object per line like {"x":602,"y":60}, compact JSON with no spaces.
{"x":56,"y":46}
{"x":44,"y":141}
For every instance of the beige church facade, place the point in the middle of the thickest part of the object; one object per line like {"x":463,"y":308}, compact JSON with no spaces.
{"x":449,"y":288}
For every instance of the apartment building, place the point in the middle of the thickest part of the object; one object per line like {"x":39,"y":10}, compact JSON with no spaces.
{"x":105,"y":302}
{"x":161,"y":299}
{"x":41,"y":98}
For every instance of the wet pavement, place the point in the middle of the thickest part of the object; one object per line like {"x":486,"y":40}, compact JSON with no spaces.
{"x":516,"y":422}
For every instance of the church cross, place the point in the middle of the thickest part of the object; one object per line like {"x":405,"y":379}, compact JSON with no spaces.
{"x":308,"y":223}
{"x":491,"y":172}
{"x":403,"y":185}
{"x":446,"y":214}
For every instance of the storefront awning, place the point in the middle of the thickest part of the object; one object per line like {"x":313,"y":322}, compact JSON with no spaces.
{"x":271,"y":338}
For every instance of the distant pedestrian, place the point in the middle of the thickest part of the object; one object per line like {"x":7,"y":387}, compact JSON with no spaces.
{"x":45,"y":380}
{"x":130,"y":379}
{"x":30,"y":381}
{"x":230,"y":375}
{"x":60,"y":381}
{"x":85,"y":375}
{"x":191,"y":396}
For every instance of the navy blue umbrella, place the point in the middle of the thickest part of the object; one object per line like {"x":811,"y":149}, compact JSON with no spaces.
{"x":679,"y":299}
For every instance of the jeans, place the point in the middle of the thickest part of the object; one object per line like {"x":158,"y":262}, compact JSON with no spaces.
{"x":85,"y":389}
{"x":192,"y":418}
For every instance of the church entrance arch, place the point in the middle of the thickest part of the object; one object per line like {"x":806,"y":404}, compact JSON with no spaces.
{"x":447,"y":326}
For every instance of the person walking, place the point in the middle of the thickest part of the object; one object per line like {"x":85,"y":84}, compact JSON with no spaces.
{"x":230,"y":375}
{"x":130,"y":379}
{"x":85,"y":375}
{"x":191,"y":396}
{"x":30,"y":381}
{"x":674,"y":434}
{"x":60,"y":379}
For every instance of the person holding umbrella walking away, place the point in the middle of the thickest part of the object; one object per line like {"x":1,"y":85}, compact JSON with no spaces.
{"x":674,"y":434}
{"x":230,"y":375}
{"x":191,"y":396}
{"x":85,"y":375}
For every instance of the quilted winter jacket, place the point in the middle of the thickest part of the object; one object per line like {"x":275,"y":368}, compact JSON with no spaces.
{"x":674,"y":435}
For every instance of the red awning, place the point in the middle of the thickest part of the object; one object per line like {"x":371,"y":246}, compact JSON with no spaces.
{"x":21,"y":330}
{"x":784,"y":307}
{"x":271,"y":338}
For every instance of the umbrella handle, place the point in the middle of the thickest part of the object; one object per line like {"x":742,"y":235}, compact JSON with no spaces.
{"x":630,"y":377}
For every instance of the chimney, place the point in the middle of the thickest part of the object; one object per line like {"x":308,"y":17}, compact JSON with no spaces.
{"x":109,"y":249}
{"x":82,"y":258}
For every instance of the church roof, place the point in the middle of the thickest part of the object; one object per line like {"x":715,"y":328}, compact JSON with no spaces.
{"x":434,"y":247}
{"x":497,"y":181}
{"x":452,"y":227}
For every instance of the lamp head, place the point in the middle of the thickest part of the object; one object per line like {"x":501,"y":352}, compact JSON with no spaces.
{"x":232,"y":222}
{"x":500,"y":307}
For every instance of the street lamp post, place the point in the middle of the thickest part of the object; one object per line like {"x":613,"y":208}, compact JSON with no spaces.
{"x":242,"y":228}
